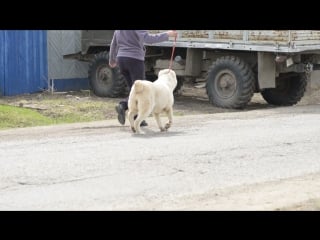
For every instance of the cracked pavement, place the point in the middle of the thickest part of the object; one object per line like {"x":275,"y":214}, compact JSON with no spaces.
{"x":259,"y":160}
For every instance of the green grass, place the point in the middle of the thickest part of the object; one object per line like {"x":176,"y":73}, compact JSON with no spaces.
{"x":49,"y":110}
{"x":13,"y":117}
{"x":70,"y":111}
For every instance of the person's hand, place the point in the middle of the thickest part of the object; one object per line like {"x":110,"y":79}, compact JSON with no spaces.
{"x":172,"y":33}
{"x":113,"y":65}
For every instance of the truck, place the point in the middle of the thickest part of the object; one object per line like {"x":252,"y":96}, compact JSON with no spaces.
{"x":234,"y":64}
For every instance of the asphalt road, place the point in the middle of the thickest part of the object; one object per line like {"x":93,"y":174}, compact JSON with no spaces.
{"x":259,"y":159}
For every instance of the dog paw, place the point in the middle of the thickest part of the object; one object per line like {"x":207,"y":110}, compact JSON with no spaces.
{"x":163,"y":129}
{"x":133,"y":130}
{"x":168,"y":125}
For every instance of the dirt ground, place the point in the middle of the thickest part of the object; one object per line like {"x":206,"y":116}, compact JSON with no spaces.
{"x":191,"y":99}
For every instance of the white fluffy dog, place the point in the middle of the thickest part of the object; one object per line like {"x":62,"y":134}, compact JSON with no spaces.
{"x":152,"y":97}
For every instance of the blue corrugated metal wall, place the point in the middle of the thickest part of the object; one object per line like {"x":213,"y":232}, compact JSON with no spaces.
{"x":23,"y":61}
{"x":2,"y":63}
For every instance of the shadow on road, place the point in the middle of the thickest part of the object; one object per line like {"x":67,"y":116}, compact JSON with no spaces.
{"x":149,"y":133}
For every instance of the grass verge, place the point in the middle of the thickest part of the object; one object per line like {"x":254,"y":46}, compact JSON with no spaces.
{"x":12,"y":117}
{"x":45,"y":109}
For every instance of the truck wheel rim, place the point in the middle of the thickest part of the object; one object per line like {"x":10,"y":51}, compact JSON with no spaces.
{"x":225,"y":84}
{"x":104,"y":74}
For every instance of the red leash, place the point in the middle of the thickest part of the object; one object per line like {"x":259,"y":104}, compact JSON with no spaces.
{"x":173,"y":47}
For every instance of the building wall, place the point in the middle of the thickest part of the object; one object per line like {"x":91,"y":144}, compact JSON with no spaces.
{"x":23,"y":61}
{"x":62,"y":42}
{"x":2,"y":65}
{"x":66,"y":74}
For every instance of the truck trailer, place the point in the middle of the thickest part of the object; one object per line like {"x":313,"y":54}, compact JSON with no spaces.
{"x":234,"y":64}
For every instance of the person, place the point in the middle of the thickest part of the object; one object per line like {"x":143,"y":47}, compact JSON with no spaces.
{"x":127,"y":51}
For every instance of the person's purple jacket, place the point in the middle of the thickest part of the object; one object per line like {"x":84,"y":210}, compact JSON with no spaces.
{"x":130,"y":43}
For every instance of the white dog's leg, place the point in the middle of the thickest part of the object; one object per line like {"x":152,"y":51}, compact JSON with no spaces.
{"x":157,"y":117}
{"x":137,"y":123}
{"x":131,"y":120}
{"x":170,"y":117}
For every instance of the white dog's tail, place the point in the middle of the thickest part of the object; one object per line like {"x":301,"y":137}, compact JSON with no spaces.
{"x":138,"y":86}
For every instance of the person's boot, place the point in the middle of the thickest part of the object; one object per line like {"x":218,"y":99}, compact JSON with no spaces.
{"x":121,"y":114}
{"x":143,"y":123}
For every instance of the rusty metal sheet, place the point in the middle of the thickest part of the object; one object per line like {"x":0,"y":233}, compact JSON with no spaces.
{"x":274,"y":36}
{"x":228,"y":35}
{"x":195,"y":34}
{"x":305,"y":35}
{"x":257,"y":40}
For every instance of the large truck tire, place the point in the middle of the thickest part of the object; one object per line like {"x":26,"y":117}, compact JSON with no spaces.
{"x":230,"y":83}
{"x":290,"y":88}
{"x":106,"y":81}
{"x":180,"y":81}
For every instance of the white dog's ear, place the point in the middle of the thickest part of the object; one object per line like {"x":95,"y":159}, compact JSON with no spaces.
{"x":167,"y":71}
{"x":172,"y":73}
{"x":160,"y":73}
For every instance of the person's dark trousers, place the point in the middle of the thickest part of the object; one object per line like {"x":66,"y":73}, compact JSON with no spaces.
{"x":132,"y":69}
